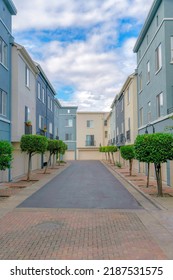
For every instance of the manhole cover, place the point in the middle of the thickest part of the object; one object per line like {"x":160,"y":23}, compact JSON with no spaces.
{"x":49,"y":225}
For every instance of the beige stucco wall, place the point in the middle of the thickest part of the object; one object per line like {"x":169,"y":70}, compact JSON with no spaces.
{"x":20,"y":162}
{"x":130,"y":108}
{"x":69,"y":155}
{"x":98,"y":130}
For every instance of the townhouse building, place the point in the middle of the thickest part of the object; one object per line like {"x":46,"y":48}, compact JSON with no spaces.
{"x":92,"y":132}
{"x":23,"y":110}
{"x":154,"y":49}
{"x":7,"y":10}
{"x":65,"y":128}
{"x":45,"y":94}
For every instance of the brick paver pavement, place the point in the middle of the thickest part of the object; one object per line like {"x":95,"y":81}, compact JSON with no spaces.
{"x":76,"y":234}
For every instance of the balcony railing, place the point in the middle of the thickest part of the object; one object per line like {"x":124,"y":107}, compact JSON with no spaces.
{"x":28,"y":129}
{"x":90,"y":143}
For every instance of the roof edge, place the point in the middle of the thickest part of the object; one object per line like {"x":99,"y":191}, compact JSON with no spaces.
{"x":11,"y":7}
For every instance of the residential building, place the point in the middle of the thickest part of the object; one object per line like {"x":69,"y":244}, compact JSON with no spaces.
{"x":92,"y":133}
{"x":7,"y":10}
{"x":130,"y":109}
{"x":154,"y":49}
{"x":120,"y":124}
{"x":65,"y":128}
{"x":24,"y":72}
{"x":44,"y":105}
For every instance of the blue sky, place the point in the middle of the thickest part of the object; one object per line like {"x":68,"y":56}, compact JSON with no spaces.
{"x":84,"y":47}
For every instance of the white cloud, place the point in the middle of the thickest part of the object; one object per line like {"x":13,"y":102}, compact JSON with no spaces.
{"x":92,"y":66}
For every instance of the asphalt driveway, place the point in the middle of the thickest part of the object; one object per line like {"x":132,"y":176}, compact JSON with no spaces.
{"x":84,"y":184}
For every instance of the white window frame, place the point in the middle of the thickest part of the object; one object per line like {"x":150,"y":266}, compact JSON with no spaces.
{"x":158,"y":55}
{"x":3,"y":53}
{"x":140,"y":82}
{"x":172,"y":49}
{"x":3,"y":103}
{"x":50,"y":128}
{"x":149,"y":112}
{"x":41,"y":122}
{"x":39,"y":90}
{"x":90,"y":123}
{"x":128,"y":95}
{"x":141,"y":116}
{"x":27,"y":76}
{"x":159,"y":102}
{"x":68,"y":137}
{"x":69,"y":123}
{"x":43,"y":95}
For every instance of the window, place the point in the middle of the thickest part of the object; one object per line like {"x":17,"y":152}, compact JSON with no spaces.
{"x":68,"y":111}
{"x":90,"y":140}
{"x":128,"y":123}
{"x":158,"y":58}
{"x":50,"y":103}
{"x":69,"y":122}
{"x":27,"y":114}
{"x":27,"y":76}
{"x":3,"y":52}
{"x":68,"y":137}
{"x":159,"y":102}
{"x":50,"y":128}
{"x":41,"y":122}
{"x":39,"y":90}
{"x":105,"y":122}
{"x":106,"y":134}
{"x":148,"y":71}
{"x":171,"y":48}
{"x":43,"y":95}
{"x":3,"y":103}
{"x":90,"y":124}
{"x":149,"y":112}
{"x":141,"y":116}
{"x":128,"y":95}
{"x":122,"y":127}
{"x":140,"y":82}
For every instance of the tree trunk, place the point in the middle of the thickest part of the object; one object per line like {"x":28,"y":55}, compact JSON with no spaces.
{"x":109,"y":157}
{"x":113,"y":161}
{"x":53,"y":161}
{"x":29,"y":167}
{"x":130,"y":166}
{"x":106,"y":156}
{"x":48,"y":162}
{"x":159,"y":178}
{"x":148,"y":174}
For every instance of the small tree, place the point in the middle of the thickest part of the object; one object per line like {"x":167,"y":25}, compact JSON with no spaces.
{"x":33,"y":144}
{"x":156,"y":148}
{"x":61,"y":150}
{"x":102,"y":149}
{"x":52,"y":147}
{"x":5,"y":155}
{"x":112,"y":150}
{"x":128,"y":153}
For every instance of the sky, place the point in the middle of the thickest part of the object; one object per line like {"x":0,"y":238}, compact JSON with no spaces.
{"x":85,"y":47}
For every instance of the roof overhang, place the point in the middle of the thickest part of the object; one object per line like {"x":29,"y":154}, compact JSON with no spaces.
{"x":11,"y":7}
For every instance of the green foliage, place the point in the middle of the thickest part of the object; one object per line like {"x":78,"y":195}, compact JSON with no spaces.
{"x":127,"y":152}
{"x":5,"y":155}
{"x":155,"y":148}
{"x":53,"y":146}
{"x":108,"y":149}
{"x":33,"y":144}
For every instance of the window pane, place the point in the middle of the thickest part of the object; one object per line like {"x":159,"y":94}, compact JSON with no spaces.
{"x":172,"y":48}
{"x":39,"y":91}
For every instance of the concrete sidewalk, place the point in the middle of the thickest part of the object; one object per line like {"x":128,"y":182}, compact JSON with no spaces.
{"x":84,"y":233}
